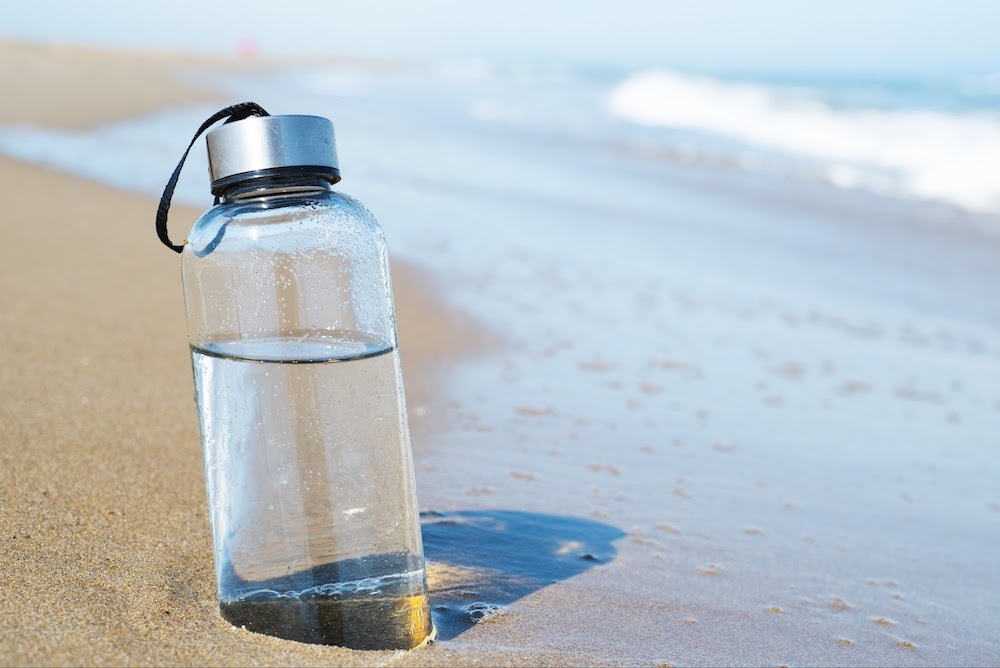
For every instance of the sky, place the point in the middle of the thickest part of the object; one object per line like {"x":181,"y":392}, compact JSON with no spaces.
{"x":837,"y":36}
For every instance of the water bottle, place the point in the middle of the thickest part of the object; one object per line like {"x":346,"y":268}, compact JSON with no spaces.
{"x":303,"y":423}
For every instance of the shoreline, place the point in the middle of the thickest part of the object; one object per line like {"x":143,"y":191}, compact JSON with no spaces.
{"x":102,"y":488}
{"x":74,"y":87}
{"x":729,"y":427}
{"x":101,"y":485}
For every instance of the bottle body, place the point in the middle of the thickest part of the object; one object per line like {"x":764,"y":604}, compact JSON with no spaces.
{"x":307,"y":457}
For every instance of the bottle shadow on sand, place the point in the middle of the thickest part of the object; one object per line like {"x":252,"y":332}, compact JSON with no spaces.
{"x":478,"y":562}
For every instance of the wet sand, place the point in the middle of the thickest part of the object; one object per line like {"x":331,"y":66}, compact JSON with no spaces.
{"x":106,"y":555}
{"x":758,"y":474}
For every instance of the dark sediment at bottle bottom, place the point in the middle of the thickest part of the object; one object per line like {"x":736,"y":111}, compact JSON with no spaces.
{"x":376,"y":602}
{"x":371,"y":623}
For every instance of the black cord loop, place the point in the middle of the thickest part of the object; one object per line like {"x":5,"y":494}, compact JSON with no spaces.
{"x":236,"y":112}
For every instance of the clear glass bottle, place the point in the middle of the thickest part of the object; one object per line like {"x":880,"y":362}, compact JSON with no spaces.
{"x":303,"y":422}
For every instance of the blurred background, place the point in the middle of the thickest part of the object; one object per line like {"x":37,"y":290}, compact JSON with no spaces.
{"x":895,"y":97}
{"x":737,"y":261}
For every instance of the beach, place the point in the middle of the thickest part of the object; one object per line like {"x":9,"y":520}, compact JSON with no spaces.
{"x":108,"y":558}
{"x":688,"y":419}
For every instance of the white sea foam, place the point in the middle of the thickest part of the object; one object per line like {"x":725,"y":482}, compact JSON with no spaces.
{"x":355,"y":589}
{"x":952,"y":157}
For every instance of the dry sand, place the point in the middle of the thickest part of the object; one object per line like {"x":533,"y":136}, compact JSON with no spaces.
{"x":75,"y":87}
{"x":105,"y":555}
{"x":774,"y":526}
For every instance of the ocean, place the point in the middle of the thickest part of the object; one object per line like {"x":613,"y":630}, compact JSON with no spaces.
{"x":927,"y":139}
{"x":933,"y":138}
{"x":747,"y":322}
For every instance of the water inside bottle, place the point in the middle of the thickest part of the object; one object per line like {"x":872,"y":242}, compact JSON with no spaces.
{"x":311,"y":490}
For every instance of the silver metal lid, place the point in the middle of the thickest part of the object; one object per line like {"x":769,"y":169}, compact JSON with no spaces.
{"x":258,"y":145}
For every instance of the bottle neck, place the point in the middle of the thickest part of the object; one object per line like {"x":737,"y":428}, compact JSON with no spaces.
{"x":272,"y":185}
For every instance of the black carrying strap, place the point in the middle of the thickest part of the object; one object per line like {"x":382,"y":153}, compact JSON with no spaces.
{"x":236,"y":112}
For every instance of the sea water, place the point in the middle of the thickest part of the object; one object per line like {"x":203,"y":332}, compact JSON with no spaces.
{"x":310,"y":490}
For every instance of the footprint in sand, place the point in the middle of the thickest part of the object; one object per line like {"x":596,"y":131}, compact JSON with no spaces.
{"x":610,"y":469}
{"x":790,"y":371}
{"x":840,"y":604}
{"x":594,"y":366}
{"x":850,"y":387}
{"x":534,"y":411}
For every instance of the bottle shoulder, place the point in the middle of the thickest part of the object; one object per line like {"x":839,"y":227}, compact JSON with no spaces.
{"x":273,"y":222}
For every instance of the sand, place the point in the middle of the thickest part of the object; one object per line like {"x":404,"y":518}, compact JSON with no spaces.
{"x":107,"y":553}
{"x":106,"y":556}
{"x":777,"y":451}
{"x":75,"y":87}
